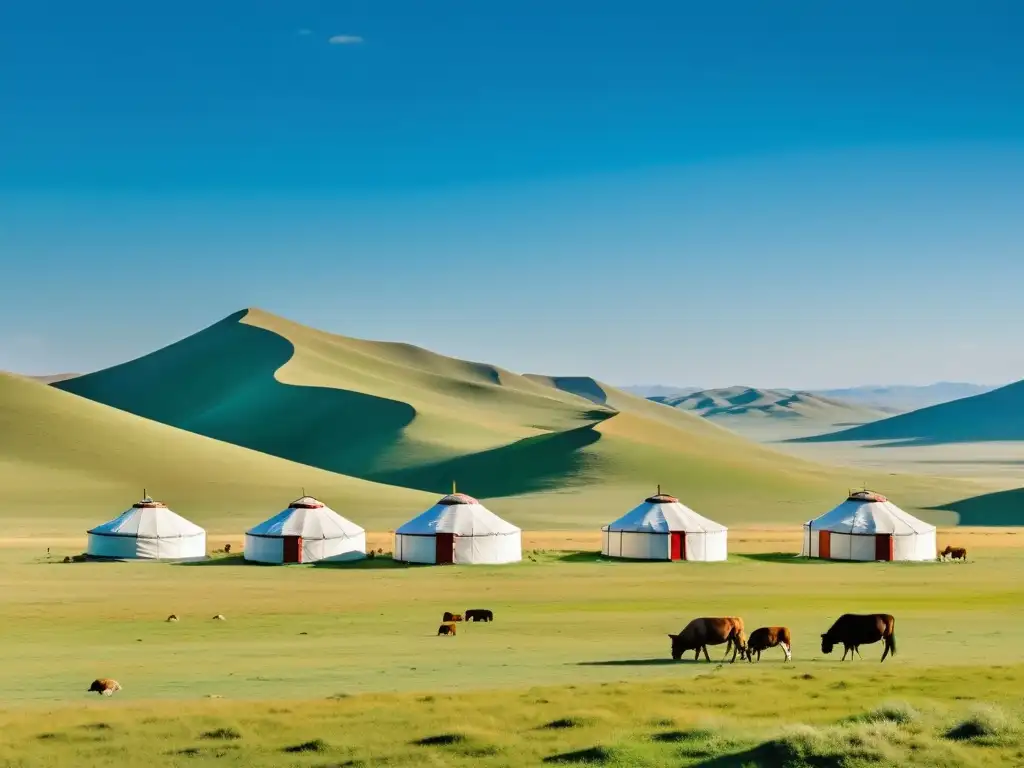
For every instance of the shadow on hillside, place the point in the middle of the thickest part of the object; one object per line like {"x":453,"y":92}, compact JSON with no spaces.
{"x":221,"y":383}
{"x":533,"y":464}
{"x":991,"y":509}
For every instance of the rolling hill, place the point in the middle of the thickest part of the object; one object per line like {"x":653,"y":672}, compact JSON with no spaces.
{"x":770,"y":414}
{"x":66,"y":461}
{"x":550,"y":452}
{"x":897,"y":398}
{"x":993,"y":416}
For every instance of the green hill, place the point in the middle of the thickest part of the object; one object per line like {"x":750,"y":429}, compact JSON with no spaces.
{"x":66,"y":462}
{"x":993,"y":416}
{"x":550,"y":452}
{"x":770,"y":414}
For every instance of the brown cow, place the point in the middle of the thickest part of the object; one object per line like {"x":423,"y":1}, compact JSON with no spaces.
{"x":853,"y":630}
{"x":769,"y":637}
{"x":954,"y":553}
{"x":105,"y":686}
{"x":700,"y":633}
{"x":451,"y":616}
{"x":479,"y":614}
{"x":446,"y":629}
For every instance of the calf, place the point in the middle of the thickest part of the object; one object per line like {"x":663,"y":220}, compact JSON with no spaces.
{"x":479,"y":614}
{"x":451,"y":616}
{"x":853,"y":630}
{"x":954,"y":553}
{"x":105,"y":686}
{"x":446,"y":629}
{"x":700,"y":633}
{"x":769,"y":637}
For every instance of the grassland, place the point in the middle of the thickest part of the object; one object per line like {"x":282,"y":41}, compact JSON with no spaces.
{"x":344,"y":659}
{"x":67,"y":463}
{"x":546,"y":452}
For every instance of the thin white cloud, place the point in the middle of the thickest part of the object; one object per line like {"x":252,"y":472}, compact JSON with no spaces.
{"x":345,"y":40}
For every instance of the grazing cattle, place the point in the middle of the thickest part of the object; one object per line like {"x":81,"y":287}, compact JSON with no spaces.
{"x":219,"y":617}
{"x":954,"y":553}
{"x":172,"y":617}
{"x":700,"y":633}
{"x":105,"y":686}
{"x":853,"y":630}
{"x":446,"y":629}
{"x":227,"y":549}
{"x":769,"y":637}
{"x":451,"y":616}
{"x":479,"y":614}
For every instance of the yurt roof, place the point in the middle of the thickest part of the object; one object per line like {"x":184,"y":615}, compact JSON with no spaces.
{"x":865,"y":512}
{"x":148,"y":519}
{"x":309,"y":518}
{"x":459,"y":514}
{"x":662,"y":513}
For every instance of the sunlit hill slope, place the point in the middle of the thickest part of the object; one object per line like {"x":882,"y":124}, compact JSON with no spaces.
{"x":556,"y":451}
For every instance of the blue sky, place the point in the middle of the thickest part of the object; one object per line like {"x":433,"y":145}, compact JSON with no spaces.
{"x":791,"y":194}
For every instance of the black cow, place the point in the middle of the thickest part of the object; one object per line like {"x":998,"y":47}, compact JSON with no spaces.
{"x":853,"y":630}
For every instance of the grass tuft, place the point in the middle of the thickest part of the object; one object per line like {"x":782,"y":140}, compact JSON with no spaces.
{"x":316,"y":745}
{"x":984,"y":723}
{"x":441,"y":740}
{"x":222,"y":734}
{"x":590,"y":756}
{"x":568,"y":722}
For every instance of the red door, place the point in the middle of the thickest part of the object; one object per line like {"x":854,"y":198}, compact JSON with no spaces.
{"x":677,"y":549}
{"x":824,"y":545}
{"x":883,"y":546}
{"x":445,"y":552}
{"x":292,"y":549}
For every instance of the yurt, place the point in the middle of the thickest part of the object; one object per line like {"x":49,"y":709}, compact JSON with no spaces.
{"x":662,"y":528}
{"x":461,"y":530}
{"x":867,"y":526}
{"x":148,"y":531}
{"x":307,"y":531}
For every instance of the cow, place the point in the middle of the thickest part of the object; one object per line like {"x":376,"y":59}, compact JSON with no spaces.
{"x":104,"y":686}
{"x":954,"y":553}
{"x":173,"y":617}
{"x":700,"y":633}
{"x":853,"y":630}
{"x":769,"y":637}
{"x":446,"y":629}
{"x":219,"y":617}
{"x":479,"y":614}
{"x":451,"y":616}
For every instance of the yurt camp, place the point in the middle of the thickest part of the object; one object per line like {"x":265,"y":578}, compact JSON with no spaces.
{"x":662,"y":528}
{"x":867,"y":526}
{"x":147,"y":531}
{"x":460,"y":530}
{"x":307,"y":531}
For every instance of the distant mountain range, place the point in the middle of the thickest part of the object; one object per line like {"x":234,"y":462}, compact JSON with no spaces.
{"x":893,"y":398}
{"x":772,"y":413}
{"x":993,"y":416}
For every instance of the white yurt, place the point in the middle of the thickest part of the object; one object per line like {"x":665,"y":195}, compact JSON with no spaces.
{"x":148,"y":531}
{"x":461,"y":530}
{"x":662,"y":528}
{"x":867,"y":526}
{"x":307,"y":531}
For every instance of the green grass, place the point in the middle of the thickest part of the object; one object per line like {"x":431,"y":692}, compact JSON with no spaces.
{"x":343,"y":664}
{"x":547,"y":453}
{"x":67,"y":463}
